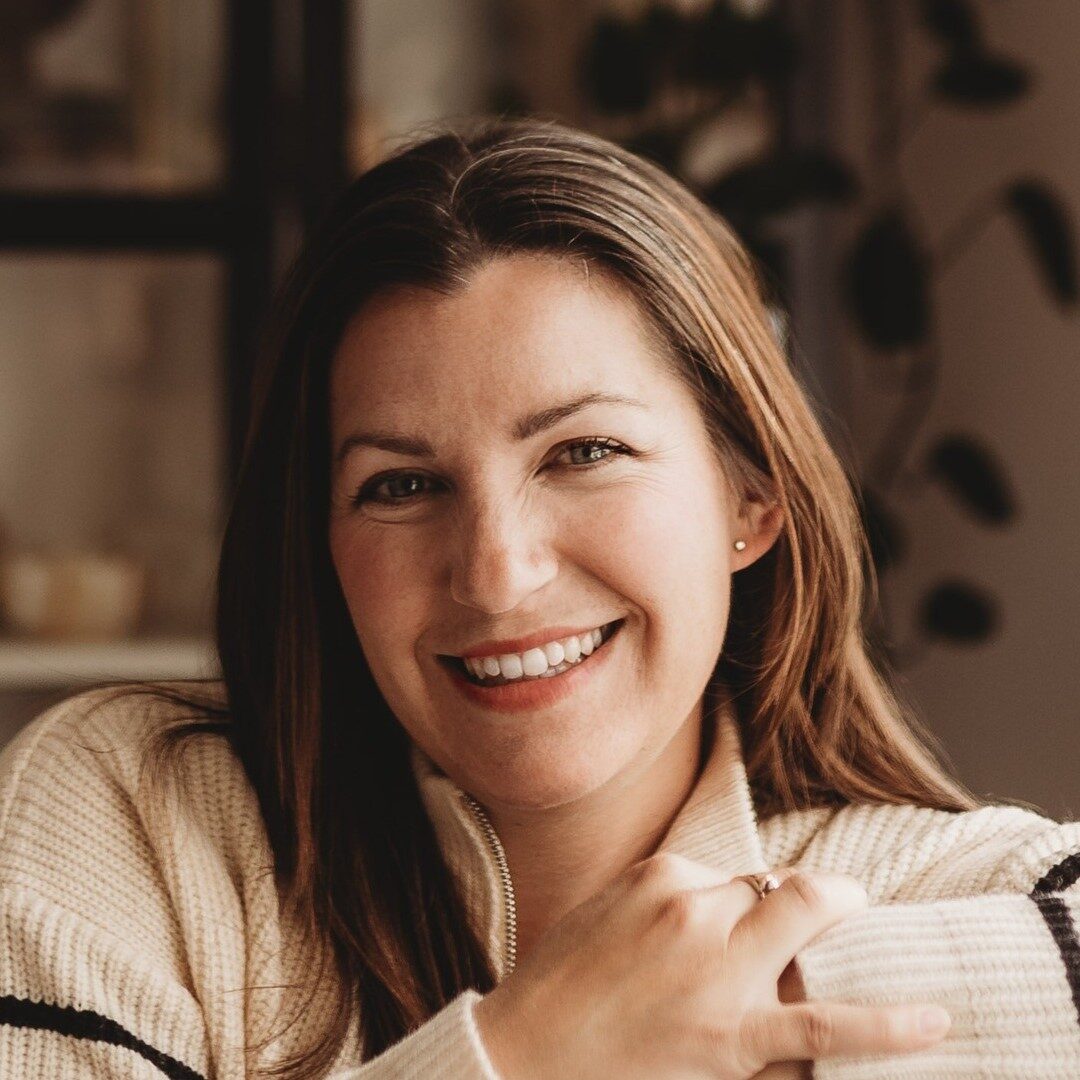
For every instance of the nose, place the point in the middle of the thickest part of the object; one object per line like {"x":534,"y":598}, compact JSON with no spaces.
{"x":500,"y":555}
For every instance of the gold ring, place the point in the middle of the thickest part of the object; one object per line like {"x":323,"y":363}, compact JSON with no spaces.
{"x":762,"y":883}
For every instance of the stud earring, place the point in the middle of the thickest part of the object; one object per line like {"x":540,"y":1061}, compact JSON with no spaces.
{"x":740,"y":545}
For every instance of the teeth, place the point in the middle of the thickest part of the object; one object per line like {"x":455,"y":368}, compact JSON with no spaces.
{"x":542,"y":661}
{"x":533,"y":662}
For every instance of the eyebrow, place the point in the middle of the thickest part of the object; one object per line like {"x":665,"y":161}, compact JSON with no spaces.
{"x":525,"y":428}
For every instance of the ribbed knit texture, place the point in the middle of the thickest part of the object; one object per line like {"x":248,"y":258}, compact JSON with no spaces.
{"x":137,"y":945}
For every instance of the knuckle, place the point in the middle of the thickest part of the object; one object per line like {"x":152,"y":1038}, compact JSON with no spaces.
{"x":808,"y":891}
{"x":894,"y":1027}
{"x":679,"y":911}
{"x":752,"y":1044}
{"x":724,"y":1048}
{"x":654,"y":870}
{"x":818,"y":1031}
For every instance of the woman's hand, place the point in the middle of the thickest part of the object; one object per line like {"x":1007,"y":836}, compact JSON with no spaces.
{"x":789,"y":989}
{"x":673,"y":972}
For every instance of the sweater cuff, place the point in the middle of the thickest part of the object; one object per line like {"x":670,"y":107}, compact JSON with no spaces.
{"x":990,"y":961}
{"x":446,"y":1047}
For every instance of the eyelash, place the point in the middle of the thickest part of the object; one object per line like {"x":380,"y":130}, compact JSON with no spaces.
{"x":364,"y":494}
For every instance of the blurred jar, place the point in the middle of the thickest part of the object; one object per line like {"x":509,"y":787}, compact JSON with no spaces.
{"x":78,"y":596}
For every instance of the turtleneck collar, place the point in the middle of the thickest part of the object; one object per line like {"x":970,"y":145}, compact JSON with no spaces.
{"x":716,"y":825}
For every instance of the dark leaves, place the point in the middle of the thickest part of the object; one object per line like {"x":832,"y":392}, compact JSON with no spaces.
{"x":1045,"y":225}
{"x":971,"y":473}
{"x":626,"y":63}
{"x":725,"y":49}
{"x":952,"y":22}
{"x":885,"y":534}
{"x":887,"y":284}
{"x":616,"y":67}
{"x":958,"y":612}
{"x":781,"y":182}
{"x":976,"y":78}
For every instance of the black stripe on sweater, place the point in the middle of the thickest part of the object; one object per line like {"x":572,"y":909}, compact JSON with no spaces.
{"x":1059,"y":919}
{"x":84,"y":1024}
{"x":1060,"y":877}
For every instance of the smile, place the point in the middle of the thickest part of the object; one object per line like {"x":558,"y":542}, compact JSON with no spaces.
{"x":539,"y":663}
{"x":531,"y":692}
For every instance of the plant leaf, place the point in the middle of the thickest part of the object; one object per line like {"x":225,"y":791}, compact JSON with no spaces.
{"x":970,"y":471}
{"x":887,"y":283}
{"x":885,"y":534}
{"x":781,"y":182}
{"x":1045,"y":224}
{"x":952,"y":22}
{"x":724,"y":48}
{"x":616,"y":66}
{"x":976,"y":78}
{"x":959,"y":612}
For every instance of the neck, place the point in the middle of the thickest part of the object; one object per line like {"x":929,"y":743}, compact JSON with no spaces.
{"x":560,"y":858}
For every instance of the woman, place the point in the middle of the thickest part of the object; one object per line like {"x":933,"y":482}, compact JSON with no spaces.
{"x":539,"y":620}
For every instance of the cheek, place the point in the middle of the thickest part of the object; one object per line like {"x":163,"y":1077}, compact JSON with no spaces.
{"x":664,"y":550}
{"x":380,"y":584}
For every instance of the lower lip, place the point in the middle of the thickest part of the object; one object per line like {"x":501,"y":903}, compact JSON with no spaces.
{"x":532,"y":694}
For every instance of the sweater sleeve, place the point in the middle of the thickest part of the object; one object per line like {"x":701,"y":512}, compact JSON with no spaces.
{"x":91,"y":980}
{"x":77,"y":1002}
{"x":112,"y":970}
{"x":976,"y":912}
{"x":447,"y":1047}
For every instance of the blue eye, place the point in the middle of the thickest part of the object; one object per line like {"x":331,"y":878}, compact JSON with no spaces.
{"x":366,"y":494}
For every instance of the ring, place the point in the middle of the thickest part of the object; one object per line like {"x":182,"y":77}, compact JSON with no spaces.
{"x":762,"y":883}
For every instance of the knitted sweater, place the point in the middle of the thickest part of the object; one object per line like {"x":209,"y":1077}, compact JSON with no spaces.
{"x":142,"y":946}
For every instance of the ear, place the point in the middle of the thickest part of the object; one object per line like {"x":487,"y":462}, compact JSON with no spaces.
{"x":758,"y":522}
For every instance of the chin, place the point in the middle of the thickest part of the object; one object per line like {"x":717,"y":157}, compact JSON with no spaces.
{"x":541,"y":777}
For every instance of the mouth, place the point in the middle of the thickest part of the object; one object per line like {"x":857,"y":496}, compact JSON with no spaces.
{"x":457,"y":665}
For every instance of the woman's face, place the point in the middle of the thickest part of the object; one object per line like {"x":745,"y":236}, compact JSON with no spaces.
{"x":507,"y":530}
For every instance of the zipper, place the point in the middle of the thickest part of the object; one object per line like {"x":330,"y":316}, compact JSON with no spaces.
{"x":510,"y":941}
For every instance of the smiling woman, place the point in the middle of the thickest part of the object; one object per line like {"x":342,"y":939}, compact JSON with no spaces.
{"x":539,"y":620}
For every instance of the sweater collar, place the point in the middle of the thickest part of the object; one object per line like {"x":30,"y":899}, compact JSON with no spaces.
{"x":716,"y":826}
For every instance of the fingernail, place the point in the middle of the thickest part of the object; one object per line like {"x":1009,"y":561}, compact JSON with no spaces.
{"x":934,"y":1021}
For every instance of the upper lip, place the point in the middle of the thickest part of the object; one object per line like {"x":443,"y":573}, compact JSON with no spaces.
{"x":530,"y":641}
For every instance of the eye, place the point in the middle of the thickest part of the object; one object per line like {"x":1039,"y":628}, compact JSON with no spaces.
{"x":610,"y":445}
{"x":366,"y":494}
{"x":411,"y":481}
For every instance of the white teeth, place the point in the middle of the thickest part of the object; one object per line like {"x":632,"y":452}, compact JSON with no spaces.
{"x":542,"y":661}
{"x":533,"y":662}
{"x":511,"y":666}
{"x":554,"y":653}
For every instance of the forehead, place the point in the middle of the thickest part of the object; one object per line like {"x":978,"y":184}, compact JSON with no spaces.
{"x":522,"y":324}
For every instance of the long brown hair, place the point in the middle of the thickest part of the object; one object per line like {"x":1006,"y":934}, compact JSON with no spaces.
{"x":355,"y":855}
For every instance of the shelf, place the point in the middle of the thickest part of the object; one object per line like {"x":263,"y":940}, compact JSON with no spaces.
{"x":29,"y":220}
{"x":34,"y":665}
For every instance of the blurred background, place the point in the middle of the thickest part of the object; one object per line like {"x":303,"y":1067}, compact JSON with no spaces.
{"x":906,"y":172}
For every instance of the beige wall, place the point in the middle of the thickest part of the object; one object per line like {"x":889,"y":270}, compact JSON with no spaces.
{"x":1008,"y":711}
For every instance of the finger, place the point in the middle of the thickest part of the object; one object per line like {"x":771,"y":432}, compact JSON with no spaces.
{"x":822,"y":1029}
{"x":781,"y":873}
{"x":735,"y":899}
{"x":791,"y":916}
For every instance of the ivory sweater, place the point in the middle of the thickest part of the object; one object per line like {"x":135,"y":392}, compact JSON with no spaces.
{"x":139,"y":949}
